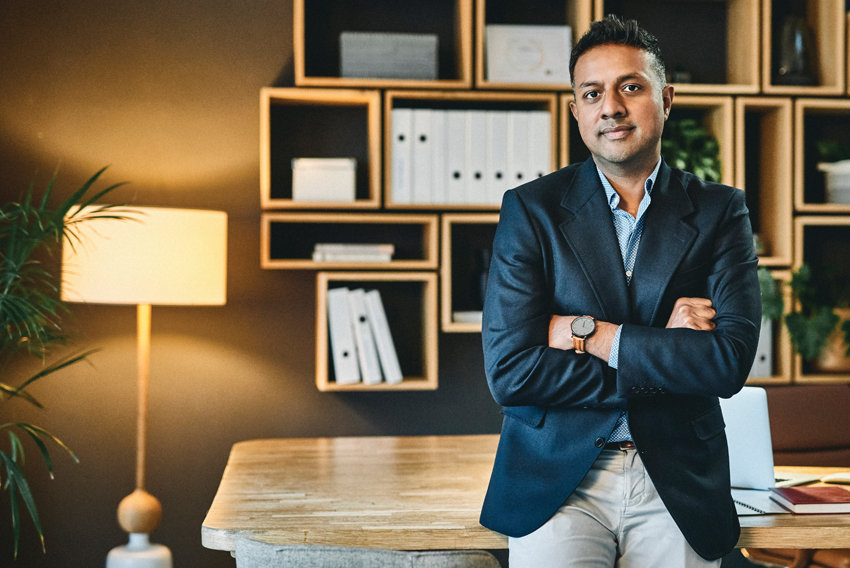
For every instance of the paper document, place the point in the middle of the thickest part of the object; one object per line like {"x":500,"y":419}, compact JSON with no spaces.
{"x":756,"y":502}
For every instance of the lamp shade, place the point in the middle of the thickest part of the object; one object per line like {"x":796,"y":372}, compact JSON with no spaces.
{"x":156,"y":256}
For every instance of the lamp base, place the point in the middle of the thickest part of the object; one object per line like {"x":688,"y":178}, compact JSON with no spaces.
{"x":139,"y":553}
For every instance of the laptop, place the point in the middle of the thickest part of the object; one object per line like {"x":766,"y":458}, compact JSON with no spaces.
{"x":750,"y":447}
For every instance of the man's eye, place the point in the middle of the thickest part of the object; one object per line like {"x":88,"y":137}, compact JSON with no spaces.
{"x":591,"y":95}
{"x":631,"y":88}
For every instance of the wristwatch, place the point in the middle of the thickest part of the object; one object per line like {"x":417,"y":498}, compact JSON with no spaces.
{"x":582,"y":328}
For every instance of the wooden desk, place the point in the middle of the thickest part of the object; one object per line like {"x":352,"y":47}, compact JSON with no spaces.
{"x":405,"y":493}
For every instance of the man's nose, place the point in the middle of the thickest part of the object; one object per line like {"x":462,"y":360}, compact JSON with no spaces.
{"x":612,"y":105}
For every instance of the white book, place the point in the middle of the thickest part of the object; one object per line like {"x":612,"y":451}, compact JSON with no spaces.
{"x":371,"y":248}
{"x":343,"y":350}
{"x":456,"y":156}
{"x":402,"y":155}
{"x":383,"y":337}
{"x":540,"y":150}
{"x":497,"y":156}
{"x":422,"y":156}
{"x":519,"y":171}
{"x":367,"y":355}
{"x":321,"y":256}
{"x":439,"y":162}
{"x":476,"y":156}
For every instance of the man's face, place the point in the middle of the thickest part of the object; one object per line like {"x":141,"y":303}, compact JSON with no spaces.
{"x":620,"y":106}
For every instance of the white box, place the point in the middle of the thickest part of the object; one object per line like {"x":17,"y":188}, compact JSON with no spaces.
{"x":388,"y":55}
{"x":528,"y":54}
{"x":323,"y":179}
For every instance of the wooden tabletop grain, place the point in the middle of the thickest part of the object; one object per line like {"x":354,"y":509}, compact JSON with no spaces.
{"x":412,"y":493}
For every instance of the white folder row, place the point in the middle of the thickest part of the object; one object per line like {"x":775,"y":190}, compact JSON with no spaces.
{"x":466,"y":157}
{"x":362,"y":346}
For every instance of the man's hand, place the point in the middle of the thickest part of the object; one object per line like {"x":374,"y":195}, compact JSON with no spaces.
{"x":693,"y":313}
{"x":560,"y":333}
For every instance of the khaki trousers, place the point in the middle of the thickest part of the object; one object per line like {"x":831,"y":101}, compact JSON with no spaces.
{"x":614,"y":518}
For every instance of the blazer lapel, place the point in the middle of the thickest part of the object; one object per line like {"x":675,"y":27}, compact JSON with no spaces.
{"x":591,"y":235}
{"x":664,"y":241}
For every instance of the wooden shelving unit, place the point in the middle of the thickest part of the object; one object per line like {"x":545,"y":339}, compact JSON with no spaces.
{"x":816,"y":119}
{"x":721,"y":53}
{"x":574,"y":13}
{"x":318,"y":23}
{"x":822,"y":240}
{"x":767,"y":135}
{"x":827,"y":20}
{"x":289,"y":119}
{"x":763,"y":142}
{"x":410,"y":302}
{"x":287,"y":239}
{"x":782,"y":352}
{"x":464,"y":236}
{"x":461,"y":100}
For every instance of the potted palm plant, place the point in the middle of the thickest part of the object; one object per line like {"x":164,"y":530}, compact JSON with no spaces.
{"x":30,"y":322}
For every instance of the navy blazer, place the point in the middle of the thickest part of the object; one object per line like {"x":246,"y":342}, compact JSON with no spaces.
{"x":556,"y":252}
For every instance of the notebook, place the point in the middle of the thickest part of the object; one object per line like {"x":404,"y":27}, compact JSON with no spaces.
{"x":750,"y":448}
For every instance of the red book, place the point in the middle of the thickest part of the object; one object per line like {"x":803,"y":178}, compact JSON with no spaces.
{"x":812,"y":499}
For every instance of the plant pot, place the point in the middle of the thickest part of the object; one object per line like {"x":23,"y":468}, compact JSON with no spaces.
{"x":832,"y":358}
{"x":837,"y":181}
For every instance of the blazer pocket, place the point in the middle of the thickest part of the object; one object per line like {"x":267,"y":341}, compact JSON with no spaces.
{"x":529,"y":415}
{"x":709,"y":424}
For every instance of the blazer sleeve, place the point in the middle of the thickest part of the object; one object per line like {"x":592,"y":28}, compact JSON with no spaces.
{"x":709,"y":363}
{"x":521,"y":369}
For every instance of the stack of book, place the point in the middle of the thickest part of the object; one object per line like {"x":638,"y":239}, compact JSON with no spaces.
{"x":362,"y":347}
{"x":353,"y":252}
{"x":466,"y":157}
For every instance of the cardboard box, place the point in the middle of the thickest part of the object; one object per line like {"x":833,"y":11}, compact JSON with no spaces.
{"x":324,"y":179}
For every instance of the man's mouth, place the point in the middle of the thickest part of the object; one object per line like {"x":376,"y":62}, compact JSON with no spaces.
{"x":616,"y":132}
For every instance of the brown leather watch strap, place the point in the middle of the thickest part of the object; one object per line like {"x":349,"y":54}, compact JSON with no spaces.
{"x":578,"y":343}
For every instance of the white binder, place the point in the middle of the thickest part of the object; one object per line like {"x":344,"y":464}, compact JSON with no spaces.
{"x":402,"y":156}
{"x":456,"y":156}
{"x":383,"y":337}
{"x":439,"y":163}
{"x":343,"y":350}
{"x":763,"y":363}
{"x":366,"y":352}
{"x":476,"y":156}
{"x":540,"y":149}
{"x":497,"y":156}
{"x":422,"y":156}
{"x":518,"y":146}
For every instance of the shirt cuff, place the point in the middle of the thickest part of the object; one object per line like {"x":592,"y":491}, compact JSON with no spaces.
{"x":614,"y":357}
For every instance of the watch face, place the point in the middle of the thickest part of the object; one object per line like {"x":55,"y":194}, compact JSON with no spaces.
{"x":583,"y":326}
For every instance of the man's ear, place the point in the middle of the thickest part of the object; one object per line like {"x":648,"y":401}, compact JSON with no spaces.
{"x":573,"y":110}
{"x":667,"y":100}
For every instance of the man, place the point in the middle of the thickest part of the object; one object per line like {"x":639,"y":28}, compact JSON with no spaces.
{"x":622,"y":301}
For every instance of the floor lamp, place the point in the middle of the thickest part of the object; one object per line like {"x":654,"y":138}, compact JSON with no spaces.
{"x":156,"y":256}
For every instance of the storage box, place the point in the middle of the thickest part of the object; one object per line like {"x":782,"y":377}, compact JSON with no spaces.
{"x":837,"y":181}
{"x":323,"y":179}
{"x":528,"y":54}
{"x":388,"y":56}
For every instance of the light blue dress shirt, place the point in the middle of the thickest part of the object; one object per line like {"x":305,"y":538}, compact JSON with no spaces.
{"x":629,"y":230}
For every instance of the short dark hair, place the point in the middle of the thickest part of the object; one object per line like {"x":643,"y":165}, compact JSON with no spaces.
{"x":615,"y":30}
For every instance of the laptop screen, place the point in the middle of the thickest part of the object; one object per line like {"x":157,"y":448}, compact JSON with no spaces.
{"x":748,"y":436}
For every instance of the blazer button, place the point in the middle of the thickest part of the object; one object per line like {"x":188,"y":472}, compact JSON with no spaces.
{"x":635,"y":390}
{"x":599,"y":442}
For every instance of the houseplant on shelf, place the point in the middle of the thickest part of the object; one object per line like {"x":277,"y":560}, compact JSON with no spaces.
{"x":30,"y":321}
{"x":686,"y":145}
{"x":820,"y":304}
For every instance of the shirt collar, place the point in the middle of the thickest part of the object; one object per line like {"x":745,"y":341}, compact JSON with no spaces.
{"x":614,"y":197}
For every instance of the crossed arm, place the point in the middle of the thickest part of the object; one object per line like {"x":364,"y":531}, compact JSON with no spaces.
{"x":690,"y":313}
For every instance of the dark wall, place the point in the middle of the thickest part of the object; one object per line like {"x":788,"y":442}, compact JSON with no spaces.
{"x":167,"y":94}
